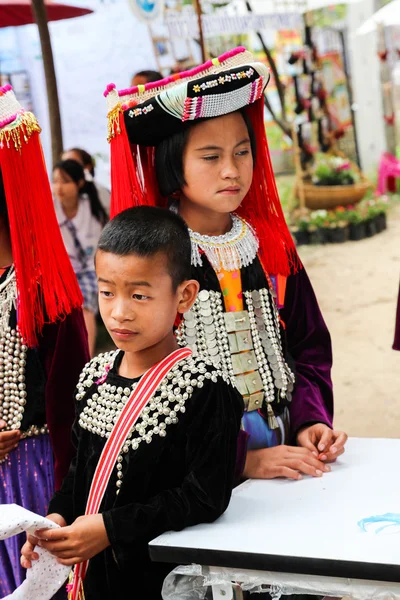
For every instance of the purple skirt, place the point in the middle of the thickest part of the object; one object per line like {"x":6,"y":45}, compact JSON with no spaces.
{"x":27,"y":479}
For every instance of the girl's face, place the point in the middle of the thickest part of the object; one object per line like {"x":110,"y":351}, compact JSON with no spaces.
{"x":218,"y":164}
{"x":64,"y":187}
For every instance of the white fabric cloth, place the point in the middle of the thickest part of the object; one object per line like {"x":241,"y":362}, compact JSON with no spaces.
{"x":46,"y":576}
{"x":88,"y":230}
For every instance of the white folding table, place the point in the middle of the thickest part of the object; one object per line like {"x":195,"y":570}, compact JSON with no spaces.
{"x":303,"y":536}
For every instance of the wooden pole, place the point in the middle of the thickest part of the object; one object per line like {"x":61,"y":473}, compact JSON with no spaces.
{"x":39,"y":12}
{"x":299,"y":182}
{"x":201,"y":36}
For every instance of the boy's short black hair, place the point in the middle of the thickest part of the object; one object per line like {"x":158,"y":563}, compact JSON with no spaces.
{"x":169,"y":157}
{"x":145,"y":231}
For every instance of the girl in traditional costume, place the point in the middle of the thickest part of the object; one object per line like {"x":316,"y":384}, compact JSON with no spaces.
{"x":43,"y":341}
{"x":196,"y":142}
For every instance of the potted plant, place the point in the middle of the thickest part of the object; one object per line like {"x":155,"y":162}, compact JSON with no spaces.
{"x":370,"y":221}
{"x":317,"y":227}
{"x":300,"y":231}
{"x":357,"y":228}
{"x":337,"y":226}
{"x":382,"y":205}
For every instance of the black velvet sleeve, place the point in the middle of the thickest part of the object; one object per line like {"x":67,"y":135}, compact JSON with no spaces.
{"x":309,"y":344}
{"x":62,"y":502}
{"x":64,"y":353}
{"x":209,"y":455}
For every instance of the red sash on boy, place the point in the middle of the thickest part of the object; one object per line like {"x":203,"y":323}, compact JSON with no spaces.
{"x":140,"y":396}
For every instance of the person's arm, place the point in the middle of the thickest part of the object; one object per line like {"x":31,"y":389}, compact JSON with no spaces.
{"x":62,"y":500}
{"x":64,"y":352}
{"x":309,"y":345}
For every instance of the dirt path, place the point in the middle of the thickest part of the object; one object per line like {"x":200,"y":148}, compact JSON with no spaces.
{"x":356,"y":284}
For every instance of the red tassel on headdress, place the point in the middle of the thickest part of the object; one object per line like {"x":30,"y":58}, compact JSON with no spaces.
{"x":262,"y":207}
{"x":46,"y":284}
{"x":126,"y":190}
{"x":128,"y":164}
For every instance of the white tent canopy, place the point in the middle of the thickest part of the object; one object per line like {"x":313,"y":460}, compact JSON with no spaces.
{"x":387,"y":15}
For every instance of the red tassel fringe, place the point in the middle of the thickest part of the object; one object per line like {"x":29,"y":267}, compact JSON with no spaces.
{"x":126,"y":190}
{"x":262,"y":207}
{"x":47,"y":286}
{"x":133,"y":179}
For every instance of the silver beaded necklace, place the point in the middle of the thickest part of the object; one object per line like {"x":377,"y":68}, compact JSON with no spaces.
{"x":229,"y":252}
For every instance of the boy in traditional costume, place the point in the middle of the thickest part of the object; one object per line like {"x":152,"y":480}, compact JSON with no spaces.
{"x":156,"y":429}
{"x":43,"y":340}
{"x":196,"y":142}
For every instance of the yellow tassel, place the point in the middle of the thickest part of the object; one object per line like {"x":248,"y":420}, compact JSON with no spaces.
{"x":81,"y":593}
{"x":20,"y":130}
{"x":272,"y":422}
{"x":113,"y":127}
{"x":70,"y":582}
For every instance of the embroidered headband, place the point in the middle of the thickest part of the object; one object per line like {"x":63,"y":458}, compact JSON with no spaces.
{"x":160,"y":109}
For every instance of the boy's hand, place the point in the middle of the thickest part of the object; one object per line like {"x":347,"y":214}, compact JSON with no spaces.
{"x":76,"y":543}
{"x":28,"y":553}
{"x":8,"y":440}
{"x":283,"y":461}
{"x":320,"y":439}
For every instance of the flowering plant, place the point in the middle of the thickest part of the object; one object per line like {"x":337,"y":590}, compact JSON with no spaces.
{"x":332,"y":170}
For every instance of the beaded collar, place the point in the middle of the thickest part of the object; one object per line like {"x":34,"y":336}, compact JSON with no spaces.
{"x":106,"y":401}
{"x":229,"y":252}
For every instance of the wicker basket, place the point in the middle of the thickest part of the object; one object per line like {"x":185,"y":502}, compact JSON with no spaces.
{"x":330,"y":196}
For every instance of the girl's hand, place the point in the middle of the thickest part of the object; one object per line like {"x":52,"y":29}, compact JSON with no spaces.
{"x":28,"y":553}
{"x":76,"y":543}
{"x":328,"y":444}
{"x":283,"y":461}
{"x":8,"y":440}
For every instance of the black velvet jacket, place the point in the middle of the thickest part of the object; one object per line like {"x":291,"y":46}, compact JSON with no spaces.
{"x":180,"y":480}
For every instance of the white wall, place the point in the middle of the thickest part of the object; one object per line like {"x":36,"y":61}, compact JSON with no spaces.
{"x":367,"y":95}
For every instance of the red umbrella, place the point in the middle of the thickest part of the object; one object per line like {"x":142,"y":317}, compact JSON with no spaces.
{"x":19,"y":12}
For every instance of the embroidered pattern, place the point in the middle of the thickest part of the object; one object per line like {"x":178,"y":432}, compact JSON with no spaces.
{"x":137,"y":112}
{"x":222,"y":79}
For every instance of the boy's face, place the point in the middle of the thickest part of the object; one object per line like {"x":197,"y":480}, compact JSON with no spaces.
{"x":137,"y":301}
